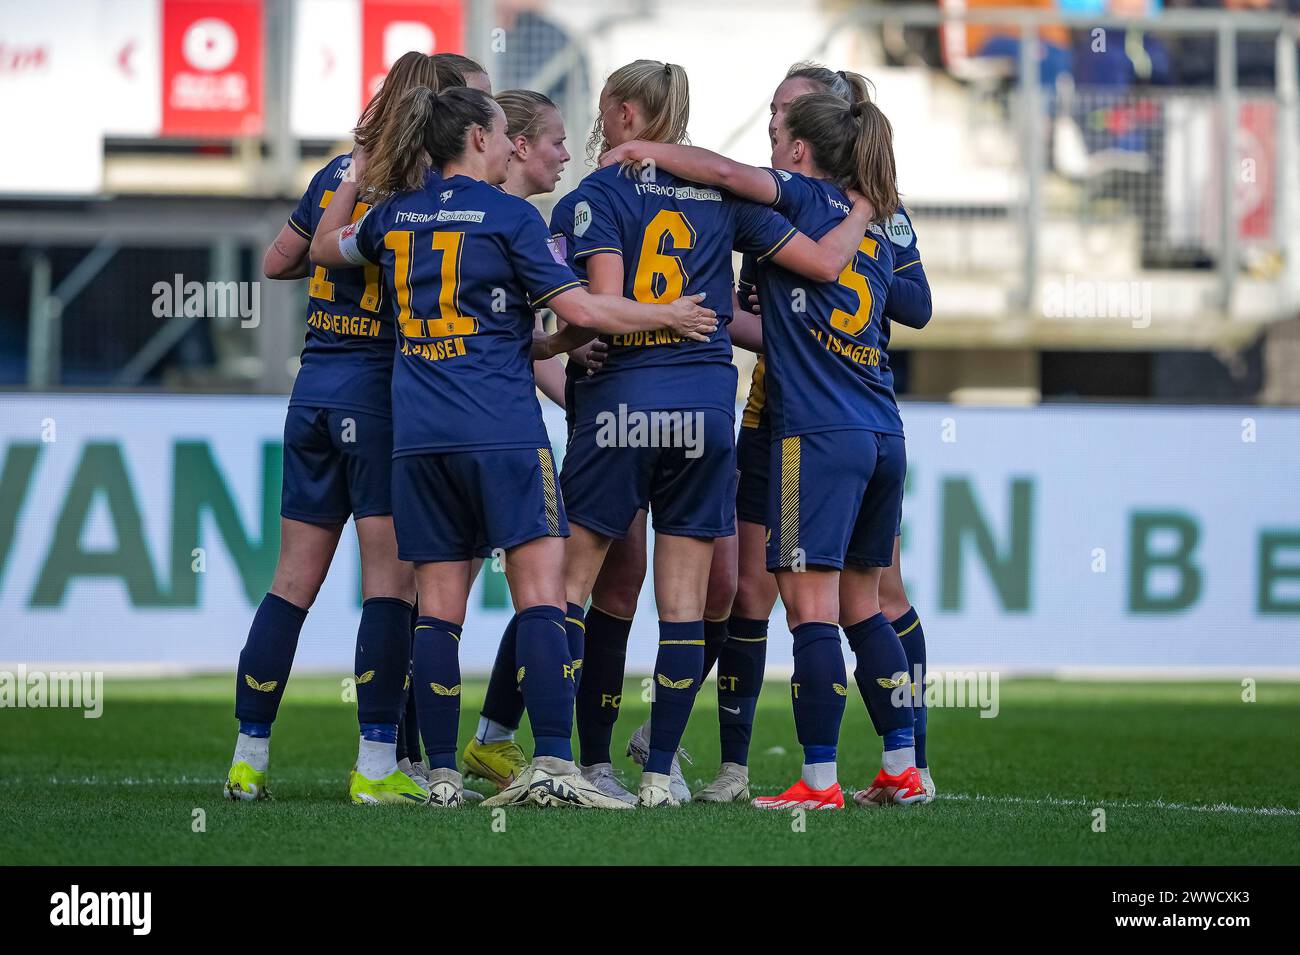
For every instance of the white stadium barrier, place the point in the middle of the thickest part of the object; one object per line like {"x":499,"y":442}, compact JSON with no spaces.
{"x":142,"y":531}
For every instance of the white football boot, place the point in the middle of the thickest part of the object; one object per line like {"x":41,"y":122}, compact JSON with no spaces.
{"x":638,"y":748}
{"x":557,"y":782}
{"x":731,"y":785}
{"x":603,"y":777}
{"x":656,"y":791}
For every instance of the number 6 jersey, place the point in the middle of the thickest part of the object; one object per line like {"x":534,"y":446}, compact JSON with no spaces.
{"x":676,"y":238}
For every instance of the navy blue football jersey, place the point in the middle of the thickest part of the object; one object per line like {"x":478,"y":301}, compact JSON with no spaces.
{"x":466,"y":265}
{"x":347,"y":358}
{"x":909,"y":280}
{"x":675,"y":238}
{"x":825,"y":366}
{"x":562,"y":236}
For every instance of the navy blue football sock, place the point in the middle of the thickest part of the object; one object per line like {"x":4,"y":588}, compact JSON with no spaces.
{"x":575,"y":632}
{"x":411,"y":724}
{"x":401,"y":734}
{"x":881,"y":673}
{"x":740,"y":678}
{"x":435,"y":679}
{"x":818,"y":688}
{"x":502,"y":703}
{"x":265,"y":662}
{"x":679,"y":670}
{"x":410,"y":728}
{"x":546,"y":678}
{"x":383,"y":660}
{"x":912,"y":637}
{"x":715,"y":635}
{"x":600,"y":691}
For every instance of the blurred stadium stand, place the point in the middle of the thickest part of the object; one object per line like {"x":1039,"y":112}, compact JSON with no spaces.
{"x":1092,"y":227}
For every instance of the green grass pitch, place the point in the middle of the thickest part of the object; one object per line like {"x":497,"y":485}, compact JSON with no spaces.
{"x":1186,"y":773}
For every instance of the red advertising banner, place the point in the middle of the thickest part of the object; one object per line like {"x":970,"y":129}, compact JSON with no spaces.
{"x":212,"y":68}
{"x":1257,"y":147}
{"x":393,"y":27}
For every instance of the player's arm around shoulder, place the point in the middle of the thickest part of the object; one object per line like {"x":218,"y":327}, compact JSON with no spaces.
{"x":825,"y":259}
{"x":696,"y":164}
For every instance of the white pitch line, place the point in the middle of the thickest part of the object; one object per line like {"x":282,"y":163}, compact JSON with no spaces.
{"x":1158,"y":804}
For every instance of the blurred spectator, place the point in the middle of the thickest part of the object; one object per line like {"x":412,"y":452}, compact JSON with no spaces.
{"x":1109,"y":134}
{"x":1122,"y":57}
{"x":1197,"y":55}
{"x":996,"y":41}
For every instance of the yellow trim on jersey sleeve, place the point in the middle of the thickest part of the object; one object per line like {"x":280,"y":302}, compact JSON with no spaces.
{"x":776,"y":178}
{"x":541,"y":299}
{"x":301,"y":231}
{"x":780,"y":244}
{"x":908,"y":265}
{"x":605,"y":248}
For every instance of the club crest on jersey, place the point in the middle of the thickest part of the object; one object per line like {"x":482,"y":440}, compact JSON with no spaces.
{"x":581,"y":218}
{"x":446,"y":194}
{"x":558,"y":246}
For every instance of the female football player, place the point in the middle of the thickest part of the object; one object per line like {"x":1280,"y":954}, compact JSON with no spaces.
{"x":466,"y":265}
{"x":837,"y":436}
{"x":743,"y":656}
{"x":536,"y":130}
{"x":453,"y":70}
{"x":337,"y":461}
{"x":654,"y":427}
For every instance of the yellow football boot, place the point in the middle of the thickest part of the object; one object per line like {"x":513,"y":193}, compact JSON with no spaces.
{"x":244,"y":783}
{"x":396,"y":787}
{"x":499,"y":763}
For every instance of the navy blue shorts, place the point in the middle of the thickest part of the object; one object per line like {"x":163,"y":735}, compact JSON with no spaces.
{"x":337,"y":464}
{"x":835,"y":499}
{"x":753,"y":458}
{"x":460,"y":505}
{"x":688,"y":481}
